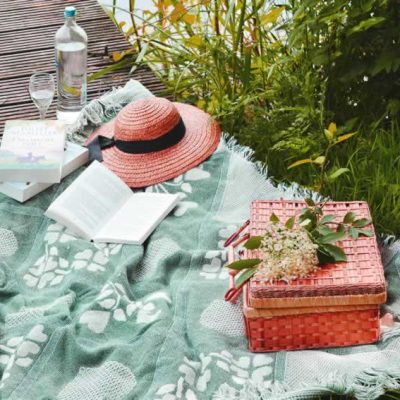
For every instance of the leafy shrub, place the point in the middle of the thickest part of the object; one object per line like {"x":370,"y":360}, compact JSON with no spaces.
{"x":277,"y":75}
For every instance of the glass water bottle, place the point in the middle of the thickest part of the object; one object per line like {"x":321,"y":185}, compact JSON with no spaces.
{"x":71,"y":62}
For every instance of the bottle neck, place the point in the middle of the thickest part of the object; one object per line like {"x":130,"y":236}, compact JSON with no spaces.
{"x":69,"y":21}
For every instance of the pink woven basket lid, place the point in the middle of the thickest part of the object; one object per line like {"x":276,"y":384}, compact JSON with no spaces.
{"x":362,"y":274}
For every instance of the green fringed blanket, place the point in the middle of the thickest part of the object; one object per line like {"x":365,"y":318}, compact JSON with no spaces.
{"x":85,"y":321}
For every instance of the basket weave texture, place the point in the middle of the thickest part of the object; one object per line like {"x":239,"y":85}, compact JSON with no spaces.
{"x":360,"y":280}
{"x":309,"y":331}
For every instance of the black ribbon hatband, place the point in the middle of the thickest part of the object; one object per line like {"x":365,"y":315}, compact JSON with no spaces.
{"x":169,"y":139}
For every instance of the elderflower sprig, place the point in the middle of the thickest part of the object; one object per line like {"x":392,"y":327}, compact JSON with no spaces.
{"x":287,"y":254}
{"x":294,"y":250}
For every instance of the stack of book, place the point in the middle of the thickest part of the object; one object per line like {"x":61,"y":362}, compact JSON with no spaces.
{"x":34,"y":155}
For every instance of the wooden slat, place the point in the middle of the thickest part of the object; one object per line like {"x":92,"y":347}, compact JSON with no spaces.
{"x":33,"y":18}
{"x":28,"y":110}
{"x":11,"y":43}
{"x":24,"y":64}
{"x":37,"y":6}
{"x":30,"y":4}
{"x":15,"y":90}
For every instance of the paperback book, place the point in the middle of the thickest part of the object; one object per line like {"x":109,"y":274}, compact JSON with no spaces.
{"x":99,"y":206}
{"x":74,"y":157}
{"x":32,"y":151}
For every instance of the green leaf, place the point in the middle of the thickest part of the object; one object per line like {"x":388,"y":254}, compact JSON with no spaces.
{"x":349,"y":217}
{"x":272,"y":15}
{"x":329,"y":135}
{"x":347,"y":136}
{"x":333,"y":251}
{"x":243,"y":264}
{"x":274,"y":218}
{"x":366,"y":232}
{"x":319,"y":160}
{"x":366,"y":24}
{"x":300,"y":162}
{"x":195,"y":41}
{"x":290,"y":223}
{"x":327,"y":218}
{"x":332,"y":237}
{"x":253,"y":243}
{"x":139,"y":58}
{"x":324,"y":258}
{"x":340,"y":228}
{"x":306,"y":211}
{"x":245,"y":276}
{"x":361,"y":223}
{"x":354,"y":233}
{"x":305,"y":222}
{"x":310,"y":202}
{"x":324,"y":230}
{"x":308,"y":218}
{"x":332,"y":128}
{"x":337,"y":173}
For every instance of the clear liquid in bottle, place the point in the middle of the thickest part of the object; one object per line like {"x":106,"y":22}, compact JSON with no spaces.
{"x":71,"y":61}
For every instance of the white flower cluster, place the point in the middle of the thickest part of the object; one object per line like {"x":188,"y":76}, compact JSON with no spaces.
{"x":287,"y":254}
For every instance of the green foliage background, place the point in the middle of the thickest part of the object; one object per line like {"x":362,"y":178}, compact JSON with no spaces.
{"x":276,"y":75}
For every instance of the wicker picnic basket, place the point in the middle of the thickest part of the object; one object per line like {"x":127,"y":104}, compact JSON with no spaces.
{"x":336,"y":306}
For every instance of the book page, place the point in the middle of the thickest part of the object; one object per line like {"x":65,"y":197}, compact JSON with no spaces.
{"x":90,"y":201}
{"x":137,"y":219}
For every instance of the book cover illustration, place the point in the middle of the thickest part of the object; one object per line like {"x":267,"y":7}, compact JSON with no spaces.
{"x":35,"y":145}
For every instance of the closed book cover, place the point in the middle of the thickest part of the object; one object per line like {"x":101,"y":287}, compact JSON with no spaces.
{"x":74,"y":157}
{"x":32,"y":151}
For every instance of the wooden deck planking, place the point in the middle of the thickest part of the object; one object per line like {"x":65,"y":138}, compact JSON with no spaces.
{"x":11,"y":43}
{"x":22,"y":19}
{"x":15,"y":91}
{"x":31,"y":4}
{"x":27,"y":29}
{"x":25,"y":64}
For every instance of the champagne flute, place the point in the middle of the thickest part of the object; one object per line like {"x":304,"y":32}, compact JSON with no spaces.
{"x":41,"y":88}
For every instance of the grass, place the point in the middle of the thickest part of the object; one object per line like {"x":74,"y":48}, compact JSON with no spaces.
{"x":373,"y":160}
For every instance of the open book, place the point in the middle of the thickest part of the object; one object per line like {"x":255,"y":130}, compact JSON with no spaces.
{"x":99,"y":206}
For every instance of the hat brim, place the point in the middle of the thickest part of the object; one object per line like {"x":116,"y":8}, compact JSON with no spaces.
{"x":201,"y":139}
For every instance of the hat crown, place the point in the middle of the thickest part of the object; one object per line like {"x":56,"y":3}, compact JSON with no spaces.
{"x":146,"y":119}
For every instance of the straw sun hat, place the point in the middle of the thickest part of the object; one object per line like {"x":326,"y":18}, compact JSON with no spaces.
{"x":152,"y":140}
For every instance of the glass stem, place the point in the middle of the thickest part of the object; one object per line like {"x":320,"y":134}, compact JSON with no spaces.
{"x":42,"y":113}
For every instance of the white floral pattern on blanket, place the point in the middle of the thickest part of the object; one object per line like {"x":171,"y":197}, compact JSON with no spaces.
{"x":196,"y":375}
{"x":20,"y":351}
{"x":182,"y":186}
{"x":51,"y":268}
{"x":216,"y":259}
{"x":116,"y":304}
